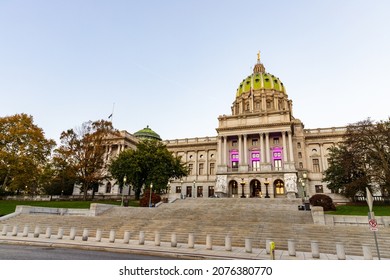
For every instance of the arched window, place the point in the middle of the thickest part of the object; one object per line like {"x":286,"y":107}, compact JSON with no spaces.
{"x":279,"y":186}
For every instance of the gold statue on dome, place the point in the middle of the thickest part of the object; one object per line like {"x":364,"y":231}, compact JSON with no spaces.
{"x":258,"y":56}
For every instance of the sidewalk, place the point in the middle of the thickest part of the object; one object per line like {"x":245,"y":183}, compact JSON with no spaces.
{"x":182,"y":251}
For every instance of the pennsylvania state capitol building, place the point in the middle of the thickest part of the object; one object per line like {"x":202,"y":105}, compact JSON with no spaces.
{"x":261,"y":150}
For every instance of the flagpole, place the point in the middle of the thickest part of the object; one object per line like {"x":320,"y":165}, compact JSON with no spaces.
{"x":112,"y":114}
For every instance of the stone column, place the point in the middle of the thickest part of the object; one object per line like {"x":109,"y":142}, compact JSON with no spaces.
{"x":284,"y":147}
{"x":245,"y":152}
{"x":225,"y":150}
{"x":290,"y":146}
{"x":267,"y":152}
{"x":240,"y":157}
{"x":261,"y":139}
{"x":323,"y":160}
{"x":219,"y":150}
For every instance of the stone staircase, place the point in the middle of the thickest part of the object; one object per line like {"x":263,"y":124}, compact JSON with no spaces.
{"x":259,"y":219}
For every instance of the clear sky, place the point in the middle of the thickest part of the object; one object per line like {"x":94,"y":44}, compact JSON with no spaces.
{"x":176,"y":65}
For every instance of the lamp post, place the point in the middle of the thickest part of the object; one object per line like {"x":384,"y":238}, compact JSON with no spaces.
{"x":302,"y":180}
{"x":124,"y":183}
{"x":193,"y":190}
{"x":169,"y":190}
{"x":150,"y":195}
{"x":266,"y":183}
{"x":242,"y":186}
{"x":181,"y":188}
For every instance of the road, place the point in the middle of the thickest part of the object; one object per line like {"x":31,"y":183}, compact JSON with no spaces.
{"x":21,"y":252}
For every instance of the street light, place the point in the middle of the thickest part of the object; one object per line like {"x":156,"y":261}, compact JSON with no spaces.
{"x":181,"y":187}
{"x":150,"y":195}
{"x":242,"y":186}
{"x":124,"y":183}
{"x":266,"y":183}
{"x":193,"y":190}
{"x":302,"y":180}
{"x":169,"y":189}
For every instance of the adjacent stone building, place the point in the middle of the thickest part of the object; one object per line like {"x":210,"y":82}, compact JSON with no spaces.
{"x":261,"y":150}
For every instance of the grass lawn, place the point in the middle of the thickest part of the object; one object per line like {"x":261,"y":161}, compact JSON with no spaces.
{"x":360,"y":210}
{"x":8,"y":206}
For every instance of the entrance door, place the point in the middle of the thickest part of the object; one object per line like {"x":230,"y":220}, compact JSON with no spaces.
{"x":211,"y":191}
{"x":256,"y":188}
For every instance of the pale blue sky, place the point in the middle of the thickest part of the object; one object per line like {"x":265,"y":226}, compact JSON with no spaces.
{"x":176,"y":65}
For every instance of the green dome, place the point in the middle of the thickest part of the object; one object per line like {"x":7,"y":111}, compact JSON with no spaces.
{"x":147,"y":133}
{"x":260,"y":80}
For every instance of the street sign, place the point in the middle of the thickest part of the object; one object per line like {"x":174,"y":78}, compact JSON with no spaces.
{"x":373,"y":225}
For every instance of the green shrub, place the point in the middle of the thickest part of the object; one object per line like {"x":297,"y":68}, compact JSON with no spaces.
{"x":323,"y":200}
{"x":144,"y":201}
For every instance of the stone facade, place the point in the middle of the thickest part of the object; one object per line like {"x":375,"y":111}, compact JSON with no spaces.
{"x":260,"y":150}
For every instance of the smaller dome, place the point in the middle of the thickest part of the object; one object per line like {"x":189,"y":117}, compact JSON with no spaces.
{"x":147,"y":133}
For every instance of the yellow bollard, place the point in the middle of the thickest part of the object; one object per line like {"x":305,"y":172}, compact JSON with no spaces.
{"x":272,"y":250}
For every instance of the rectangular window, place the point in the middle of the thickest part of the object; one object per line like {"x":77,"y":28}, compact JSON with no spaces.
{"x":300,"y":165}
{"x":278,"y":164}
{"x":234,"y":143}
{"x":199,"y":191}
{"x":255,"y":142}
{"x":201,"y":168}
{"x":316,"y":165}
{"x":299,"y":145}
{"x":235,"y":164}
{"x":189,"y":191}
{"x":319,"y":189}
{"x":212,"y":168}
{"x":190,"y":167}
{"x":211,"y":191}
{"x":178,"y":189}
{"x":276,"y":141}
{"x":255,"y":165}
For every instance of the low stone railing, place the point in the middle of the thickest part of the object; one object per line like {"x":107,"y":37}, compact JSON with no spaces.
{"x":7,"y":231}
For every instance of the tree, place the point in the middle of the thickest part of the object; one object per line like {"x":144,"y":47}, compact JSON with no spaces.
{"x":372,"y":141}
{"x":363,"y":159}
{"x":24,"y":151}
{"x":151,"y":162}
{"x":83,"y":152}
{"x":346,"y":173}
